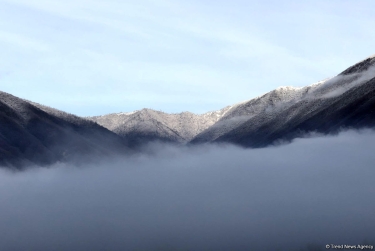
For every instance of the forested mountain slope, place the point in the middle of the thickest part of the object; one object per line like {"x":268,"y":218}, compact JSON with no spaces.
{"x":34,"y":134}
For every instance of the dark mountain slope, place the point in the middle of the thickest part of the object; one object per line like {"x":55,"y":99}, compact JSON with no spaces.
{"x":269,"y":111}
{"x":269,"y":104}
{"x":30,"y":135}
{"x":353,"y":109}
{"x":361,"y":66}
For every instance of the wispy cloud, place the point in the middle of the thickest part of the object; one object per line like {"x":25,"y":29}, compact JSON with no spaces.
{"x":176,"y":45}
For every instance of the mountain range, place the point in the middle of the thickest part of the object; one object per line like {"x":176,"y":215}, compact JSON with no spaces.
{"x":33,"y":134}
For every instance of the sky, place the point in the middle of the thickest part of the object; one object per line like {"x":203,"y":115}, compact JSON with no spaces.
{"x":97,"y":57}
{"x":312,"y":192}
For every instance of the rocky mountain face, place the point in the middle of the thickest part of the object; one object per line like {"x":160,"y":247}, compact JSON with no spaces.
{"x":147,"y":125}
{"x":32,"y":134}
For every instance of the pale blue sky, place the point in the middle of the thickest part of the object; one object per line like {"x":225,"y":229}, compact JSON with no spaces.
{"x":103,"y":56}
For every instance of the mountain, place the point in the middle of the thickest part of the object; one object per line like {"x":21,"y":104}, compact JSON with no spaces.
{"x":33,"y":134}
{"x":148,"y":125}
{"x":345,"y":101}
{"x":270,"y":103}
{"x":327,"y":106}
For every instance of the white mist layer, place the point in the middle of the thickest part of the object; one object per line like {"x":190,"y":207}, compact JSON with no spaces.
{"x":317,"y":190}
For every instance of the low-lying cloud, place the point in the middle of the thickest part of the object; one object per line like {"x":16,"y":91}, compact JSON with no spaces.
{"x":300,"y":196}
{"x":338,"y":85}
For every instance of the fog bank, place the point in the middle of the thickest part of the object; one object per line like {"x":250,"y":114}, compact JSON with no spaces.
{"x":316,"y":190}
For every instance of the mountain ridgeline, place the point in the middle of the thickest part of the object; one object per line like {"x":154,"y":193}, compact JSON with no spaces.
{"x":33,"y":134}
{"x":344,"y":101}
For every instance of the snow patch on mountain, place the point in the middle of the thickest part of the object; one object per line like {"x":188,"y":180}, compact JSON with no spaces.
{"x":180,"y":127}
{"x":126,"y":113}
